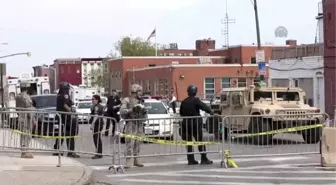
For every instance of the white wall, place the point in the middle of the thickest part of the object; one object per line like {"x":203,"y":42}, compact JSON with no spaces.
{"x":308,"y":68}
{"x":87,"y":67}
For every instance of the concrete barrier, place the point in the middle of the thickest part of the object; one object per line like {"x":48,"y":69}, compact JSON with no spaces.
{"x":328,"y":147}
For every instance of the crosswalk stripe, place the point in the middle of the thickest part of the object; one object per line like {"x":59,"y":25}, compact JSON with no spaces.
{"x":215,"y":161}
{"x":147,"y":181}
{"x":243,"y":177}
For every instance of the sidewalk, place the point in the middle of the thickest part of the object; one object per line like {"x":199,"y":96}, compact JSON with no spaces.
{"x":42,"y":170}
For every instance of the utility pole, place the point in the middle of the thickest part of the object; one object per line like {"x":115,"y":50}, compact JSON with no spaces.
{"x":255,"y":5}
{"x":260,"y":54}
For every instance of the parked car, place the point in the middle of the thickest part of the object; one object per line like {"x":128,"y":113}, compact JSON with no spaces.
{"x":47,"y":123}
{"x":158,"y":127}
{"x":83,"y":109}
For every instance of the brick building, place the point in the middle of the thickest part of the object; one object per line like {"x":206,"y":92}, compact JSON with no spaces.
{"x":42,"y":70}
{"x":209,"y":78}
{"x":159,"y":75}
{"x":73,"y":70}
{"x":329,"y":19}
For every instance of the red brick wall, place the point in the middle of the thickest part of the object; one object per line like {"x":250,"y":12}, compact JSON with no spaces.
{"x":71,"y":73}
{"x":329,"y":18}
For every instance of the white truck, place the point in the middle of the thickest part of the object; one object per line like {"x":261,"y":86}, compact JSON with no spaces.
{"x":81,"y":92}
{"x":38,"y":86}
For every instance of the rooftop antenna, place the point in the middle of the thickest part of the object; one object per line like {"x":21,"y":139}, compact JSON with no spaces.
{"x":225,"y":30}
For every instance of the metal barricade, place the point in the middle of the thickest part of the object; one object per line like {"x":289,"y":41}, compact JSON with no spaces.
{"x":59,"y":133}
{"x":164,"y":138}
{"x":23,"y":134}
{"x":273,"y":135}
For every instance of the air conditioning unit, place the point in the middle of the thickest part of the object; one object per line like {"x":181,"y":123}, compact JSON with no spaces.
{"x":175,"y":63}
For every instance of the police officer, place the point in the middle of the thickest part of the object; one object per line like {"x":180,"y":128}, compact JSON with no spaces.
{"x":132,"y":108}
{"x":64,"y":104}
{"x":97,"y":124}
{"x":192,"y":128}
{"x":24,"y":101}
{"x":113,"y":107}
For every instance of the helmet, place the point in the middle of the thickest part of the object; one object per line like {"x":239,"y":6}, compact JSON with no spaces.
{"x":192,"y":90}
{"x":64,"y":88}
{"x":135,"y":88}
{"x":64,"y":85}
{"x":24,"y":84}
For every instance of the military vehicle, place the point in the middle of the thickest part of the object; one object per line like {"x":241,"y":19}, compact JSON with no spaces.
{"x":258,"y":109}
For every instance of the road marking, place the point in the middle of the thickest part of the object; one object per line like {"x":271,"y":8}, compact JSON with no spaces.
{"x":193,"y":182}
{"x":233,"y":170}
{"x":10,"y":168}
{"x":169,"y":174}
{"x":105,"y":167}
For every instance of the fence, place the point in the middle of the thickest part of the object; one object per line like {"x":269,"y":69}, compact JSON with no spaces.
{"x":162,"y":138}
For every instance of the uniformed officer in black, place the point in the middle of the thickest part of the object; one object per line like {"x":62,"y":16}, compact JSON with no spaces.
{"x":113,"y":107}
{"x":64,"y":104}
{"x":97,"y":124}
{"x":192,"y":128}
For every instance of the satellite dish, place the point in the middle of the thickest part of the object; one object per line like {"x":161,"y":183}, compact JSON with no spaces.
{"x":281,"y":32}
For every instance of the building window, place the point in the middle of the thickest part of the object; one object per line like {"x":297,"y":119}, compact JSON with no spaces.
{"x":164,"y":54}
{"x":256,"y":81}
{"x":242,"y":82}
{"x":171,"y":54}
{"x":190,"y":54}
{"x":180,"y":54}
{"x":253,"y":60}
{"x":148,"y":86}
{"x":226,"y":82}
{"x":69,"y":69}
{"x":157,"y":87}
{"x":296,"y":82}
{"x":209,"y":88}
{"x":185,"y":54}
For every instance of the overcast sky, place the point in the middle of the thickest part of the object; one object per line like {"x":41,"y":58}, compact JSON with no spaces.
{"x":52,"y":29}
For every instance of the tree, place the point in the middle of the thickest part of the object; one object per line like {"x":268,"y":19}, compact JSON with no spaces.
{"x":128,"y":46}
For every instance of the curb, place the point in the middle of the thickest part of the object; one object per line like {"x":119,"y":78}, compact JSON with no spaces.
{"x":87,"y":177}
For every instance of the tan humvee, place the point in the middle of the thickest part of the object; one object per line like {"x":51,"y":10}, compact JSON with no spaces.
{"x":261,"y":109}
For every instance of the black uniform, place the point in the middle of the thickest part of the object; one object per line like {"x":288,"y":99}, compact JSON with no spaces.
{"x":97,"y":124}
{"x":192,"y":128}
{"x":111,"y":102}
{"x":70,"y":125}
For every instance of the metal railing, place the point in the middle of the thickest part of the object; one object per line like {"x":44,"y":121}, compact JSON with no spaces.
{"x":161,"y":138}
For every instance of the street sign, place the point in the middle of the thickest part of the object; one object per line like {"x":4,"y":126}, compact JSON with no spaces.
{"x":262,"y":68}
{"x":260,"y":56}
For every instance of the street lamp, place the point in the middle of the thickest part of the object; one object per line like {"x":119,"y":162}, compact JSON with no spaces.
{"x":2,"y":71}
{"x":15,"y":54}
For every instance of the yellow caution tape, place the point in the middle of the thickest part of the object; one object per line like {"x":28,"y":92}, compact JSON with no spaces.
{"x":285,"y":130}
{"x":140,"y":138}
{"x":229,"y":161}
{"x":166,"y":142}
{"x":45,"y":137}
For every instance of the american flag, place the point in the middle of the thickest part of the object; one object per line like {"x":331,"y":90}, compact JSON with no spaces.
{"x":153,"y":34}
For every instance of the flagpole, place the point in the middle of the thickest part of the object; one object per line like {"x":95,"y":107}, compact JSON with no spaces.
{"x":156,"y":50}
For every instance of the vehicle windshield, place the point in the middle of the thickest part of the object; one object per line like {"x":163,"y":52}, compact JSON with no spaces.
{"x":155,"y":108}
{"x":262,"y":95}
{"x":44,"y":101}
{"x":287,"y":96}
{"x":84,"y":105}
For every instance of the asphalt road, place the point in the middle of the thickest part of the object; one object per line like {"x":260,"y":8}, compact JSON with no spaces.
{"x":172,"y":169}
